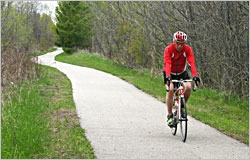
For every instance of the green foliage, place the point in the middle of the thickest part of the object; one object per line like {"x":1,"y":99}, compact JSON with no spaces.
{"x":138,"y":45}
{"x":23,"y":29}
{"x":69,"y":50}
{"x":48,"y":32}
{"x":73,"y":25}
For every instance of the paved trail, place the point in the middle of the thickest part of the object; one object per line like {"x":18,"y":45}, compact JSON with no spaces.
{"x":123,"y":122}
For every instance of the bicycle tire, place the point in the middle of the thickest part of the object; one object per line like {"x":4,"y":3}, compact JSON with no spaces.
{"x":174,"y":130}
{"x":183,"y":122}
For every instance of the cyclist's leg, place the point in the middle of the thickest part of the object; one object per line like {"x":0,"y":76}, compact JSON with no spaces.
{"x":188,"y":87}
{"x":169,"y":99}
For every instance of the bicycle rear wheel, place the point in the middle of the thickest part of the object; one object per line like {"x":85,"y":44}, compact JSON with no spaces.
{"x":183,"y":121}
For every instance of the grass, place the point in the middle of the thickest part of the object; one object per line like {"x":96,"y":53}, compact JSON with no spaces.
{"x":228,"y":114}
{"x":39,"y":120}
{"x":21,"y":127}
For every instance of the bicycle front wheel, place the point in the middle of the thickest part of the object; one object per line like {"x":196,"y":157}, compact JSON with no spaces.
{"x":174,"y":129}
{"x":183,"y":120}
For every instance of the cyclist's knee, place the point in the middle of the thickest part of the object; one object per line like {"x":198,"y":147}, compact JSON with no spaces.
{"x":188,"y":86}
{"x":171,"y":90}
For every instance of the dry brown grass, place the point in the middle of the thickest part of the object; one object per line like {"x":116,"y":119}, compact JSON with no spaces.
{"x":17,"y":68}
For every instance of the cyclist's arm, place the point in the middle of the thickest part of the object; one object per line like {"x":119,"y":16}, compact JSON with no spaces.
{"x":191,"y":61}
{"x":167,"y":62}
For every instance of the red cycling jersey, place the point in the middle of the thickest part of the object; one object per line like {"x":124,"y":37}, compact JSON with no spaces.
{"x":175,"y":62}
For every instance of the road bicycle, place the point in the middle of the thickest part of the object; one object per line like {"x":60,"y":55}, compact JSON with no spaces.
{"x":179,"y":108}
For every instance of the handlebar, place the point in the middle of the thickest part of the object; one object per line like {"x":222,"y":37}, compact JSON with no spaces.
{"x":182,"y":81}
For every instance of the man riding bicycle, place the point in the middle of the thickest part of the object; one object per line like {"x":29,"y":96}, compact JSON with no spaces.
{"x":176,"y":57}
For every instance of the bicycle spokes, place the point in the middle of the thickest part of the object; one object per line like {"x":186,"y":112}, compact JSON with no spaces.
{"x":183,"y":120}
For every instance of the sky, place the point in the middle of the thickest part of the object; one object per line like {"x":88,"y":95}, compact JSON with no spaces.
{"x":52,"y":6}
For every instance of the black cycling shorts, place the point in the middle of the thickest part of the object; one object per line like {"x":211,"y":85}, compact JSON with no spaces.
{"x":182,"y":76}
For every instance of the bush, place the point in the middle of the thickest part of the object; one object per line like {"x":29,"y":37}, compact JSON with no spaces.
{"x":69,"y":50}
{"x":57,"y":43}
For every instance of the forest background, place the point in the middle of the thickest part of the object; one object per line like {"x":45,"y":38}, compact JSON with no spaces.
{"x":134,"y":35}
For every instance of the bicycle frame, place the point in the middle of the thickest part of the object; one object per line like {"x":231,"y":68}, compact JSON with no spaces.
{"x":176,"y":99}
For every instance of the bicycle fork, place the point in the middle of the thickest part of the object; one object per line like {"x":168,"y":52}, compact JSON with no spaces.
{"x":181,"y":98}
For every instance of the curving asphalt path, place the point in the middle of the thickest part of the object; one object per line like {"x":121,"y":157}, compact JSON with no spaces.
{"x":122,"y":122}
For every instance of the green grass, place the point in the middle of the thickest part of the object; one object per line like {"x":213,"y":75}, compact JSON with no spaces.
{"x":39,"y":120}
{"x":22,"y":129}
{"x":228,"y":114}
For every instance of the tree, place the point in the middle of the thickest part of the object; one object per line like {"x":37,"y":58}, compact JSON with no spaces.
{"x":47,"y":31}
{"x":134,"y":34}
{"x":22,"y":28}
{"x":73,"y":25}
{"x":22,"y":33}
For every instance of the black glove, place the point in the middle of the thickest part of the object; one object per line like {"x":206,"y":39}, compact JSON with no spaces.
{"x":196,"y":79}
{"x":168,"y":79}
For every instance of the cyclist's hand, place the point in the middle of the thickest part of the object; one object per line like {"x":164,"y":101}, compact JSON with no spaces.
{"x":168,"y":80}
{"x":196,"y":80}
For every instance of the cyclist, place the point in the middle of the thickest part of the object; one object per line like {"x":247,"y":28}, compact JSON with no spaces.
{"x":176,"y":57}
